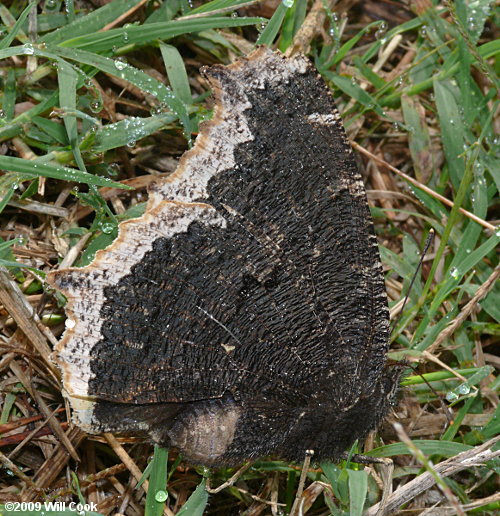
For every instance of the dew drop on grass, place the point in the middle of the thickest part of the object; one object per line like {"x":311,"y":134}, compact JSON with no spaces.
{"x":131,"y":143}
{"x":161,"y":496}
{"x":2,"y":113}
{"x":288,"y":3}
{"x":451,"y":396}
{"x":28,"y":49}
{"x":50,"y":4}
{"x":423,"y":31}
{"x":21,"y":240}
{"x":464,"y":389}
{"x":96,"y":106}
{"x":107,"y":227}
{"x":120,"y":64}
{"x":380,"y":32}
{"x":454,"y":273}
{"x":113,"y":169}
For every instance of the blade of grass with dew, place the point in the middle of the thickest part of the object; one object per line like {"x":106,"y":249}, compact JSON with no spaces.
{"x":452,"y":129}
{"x":458,"y":418}
{"x":68,"y":79}
{"x":157,"y":492}
{"x":419,"y":138}
{"x":371,"y":76}
{"x":9,"y":95}
{"x":431,"y":447}
{"x":53,"y":129}
{"x":7,"y":40}
{"x":10,"y":21}
{"x":122,"y":70}
{"x":197,"y":502}
{"x":358,"y":489}
{"x":218,"y":5}
{"x":353,"y":90}
{"x":146,"y":34}
{"x":176,"y":72}
{"x":294,"y":18}
{"x":32,"y":169}
{"x":465,"y":387}
{"x":92,"y":22}
{"x":268,"y":35}
{"x":121,"y":133}
{"x":165,"y":12}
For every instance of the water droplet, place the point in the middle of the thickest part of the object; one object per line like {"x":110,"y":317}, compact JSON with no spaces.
{"x":131,"y":143}
{"x":96,"y":106}
{"x":288,"y":3}
{"x":50,"y":4}
{"x":54,"y":65}
{"x":382,"y":29}
{"x":395,"y":125}
{"x":234,"y":15}
{"x":464,"y":389}
{"x":2,"y":113}
{"x":69,"y":323}
{"x":75,"y":190}
{"x":423,"y":31}
{"x":120,"y":64}
{"x":161,"y":496}
{"x":113,"y":169}
{"x":454,"y":273}
{"x":108,"y":227}
{"x":497,"y":231}
{"x":28,"y":49}
{"x":21,"y":240}
{"x":335,"y":17}
{"x":451,"y":396}
{"x":42,"y":46}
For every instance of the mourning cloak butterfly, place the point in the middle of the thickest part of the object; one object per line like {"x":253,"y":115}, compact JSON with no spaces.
{"x":244,"y":314}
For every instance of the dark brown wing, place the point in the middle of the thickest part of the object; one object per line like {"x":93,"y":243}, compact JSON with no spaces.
{"x":254,"y":271}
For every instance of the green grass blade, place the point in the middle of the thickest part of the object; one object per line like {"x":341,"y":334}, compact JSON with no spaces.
{"x":358,"y":489}
{"x":144,"y":34}
{"x":452,"y":129}
{"x":92,"y":22}
{"x":197,"y":502}
{"x":32,"y":169}
{"x":269,"y":34}
{"x":157,"y":492}
{"x":7,"y":40}
{"x":430,"y":447}
{"x":68,"y":79}
{"x":176,"y":72}
{"x":128,"y":131}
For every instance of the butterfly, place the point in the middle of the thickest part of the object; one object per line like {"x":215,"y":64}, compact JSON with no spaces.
{"x":244,"y":314}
